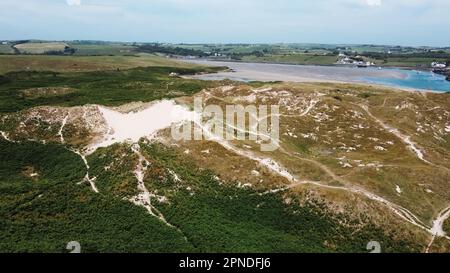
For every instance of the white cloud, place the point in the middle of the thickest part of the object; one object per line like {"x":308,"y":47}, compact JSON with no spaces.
{"x":373,"y":2}
{"x":324,"y":21}
{"x":73,"y":2}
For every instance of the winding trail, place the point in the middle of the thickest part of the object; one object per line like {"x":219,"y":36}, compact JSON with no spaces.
{"x":267,"y":162}
{"x":144,"y":198}
{"x":63,"y":124}
{"x":311,"y":105}
{"x":5,"y":136}
{"x":277,"y":168}
{"x":318,"y":164}
{"x":404,"y":138}
{"x":438,"y":224}
{"x":438,"y":227}
{"x":120,"y":123}
{"x":295,"y":182}
{"x":87,"y":178}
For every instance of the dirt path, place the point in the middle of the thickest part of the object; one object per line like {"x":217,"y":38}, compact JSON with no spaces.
{"x":122,"y":127}
{"x":436,"y":230}
{"x":63,"y":124}
{"x":320,"y":165}
{"x":311,"y":105}
{"x":282,"y":171}
{"x":438,"y":227}
{"x":404,"y":138}
{"x":144,"y":198}
{"x":6,"y":137}
{"x":87,"y":178}
{"x":277,"y":168}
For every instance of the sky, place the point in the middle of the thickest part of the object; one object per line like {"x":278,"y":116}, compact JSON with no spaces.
{"x":388,"y":22}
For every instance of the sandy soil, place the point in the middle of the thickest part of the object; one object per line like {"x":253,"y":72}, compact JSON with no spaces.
{"x":296,"y":73}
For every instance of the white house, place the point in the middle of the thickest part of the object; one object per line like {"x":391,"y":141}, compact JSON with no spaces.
{"x":438,"y":65}
{"x":4,"y":43}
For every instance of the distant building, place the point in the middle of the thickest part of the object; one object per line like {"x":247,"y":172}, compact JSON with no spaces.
{"x":4,"y":43}
{"x":346,"y":60}
{"x":438,"y":65}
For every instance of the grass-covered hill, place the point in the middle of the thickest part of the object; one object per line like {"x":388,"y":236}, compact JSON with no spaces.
{"x":367,"y":164}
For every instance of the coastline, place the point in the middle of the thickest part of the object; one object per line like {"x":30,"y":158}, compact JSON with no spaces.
{"x":410,"y":68}
{"x":246,"y":73}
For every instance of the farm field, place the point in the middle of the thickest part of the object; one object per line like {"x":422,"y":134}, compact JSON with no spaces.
{"x":302,"y":59}
{"x":301,"y":54}
{"x":9,"y":63}
{"x":6,"y":49}
{"x":108,"y":49}
{"x":40,"y":48}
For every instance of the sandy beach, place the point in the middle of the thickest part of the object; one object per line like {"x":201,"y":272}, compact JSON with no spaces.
{"x":296,"y":73}
{"x":407,"y":80}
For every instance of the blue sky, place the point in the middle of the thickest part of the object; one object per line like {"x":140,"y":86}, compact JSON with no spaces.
{"x":395,"y":22}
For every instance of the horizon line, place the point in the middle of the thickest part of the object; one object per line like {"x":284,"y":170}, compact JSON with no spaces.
{"x":225,"y":43}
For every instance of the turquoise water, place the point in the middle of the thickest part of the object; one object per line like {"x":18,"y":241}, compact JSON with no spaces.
{"x":393,"y":77}
{"x":415,"y":80}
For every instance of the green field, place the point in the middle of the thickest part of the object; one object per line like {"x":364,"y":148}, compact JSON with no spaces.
{"x":9,"y":63}
{"x":313,"y":59}
{"x":318,"y":54}
{"x":408,"y":61}
{"x":303,"y":54}
{"x":102,"y":87}
{"x":44,"y":213}
{"x":111,"y":49}
{"x":6,"y":49}
{"x":41,"y":47}
{"x":303,"y":59}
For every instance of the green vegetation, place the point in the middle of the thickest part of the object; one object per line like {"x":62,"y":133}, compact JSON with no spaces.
{"x":45,"y":208}
{"x":44,"y":212}
{"x":102,"y":50}
{"x":227,"y":218}
{"x":447,"y":226}
{"x":305,"y":54}
{"x":304,"y":59}
{"x":407,"y":61}
{"x":103,"y":87}
{"x":317,"y":54}
{"x":118,"y":178}
{"x":6,"y":49}
{"x":10,"y":63}
{"x":50,"y":48}
{"x":44,"y":203}
{"x":157,"y":48}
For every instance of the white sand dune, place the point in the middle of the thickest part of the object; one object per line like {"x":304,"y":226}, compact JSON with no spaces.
{"x":135,"y":125}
